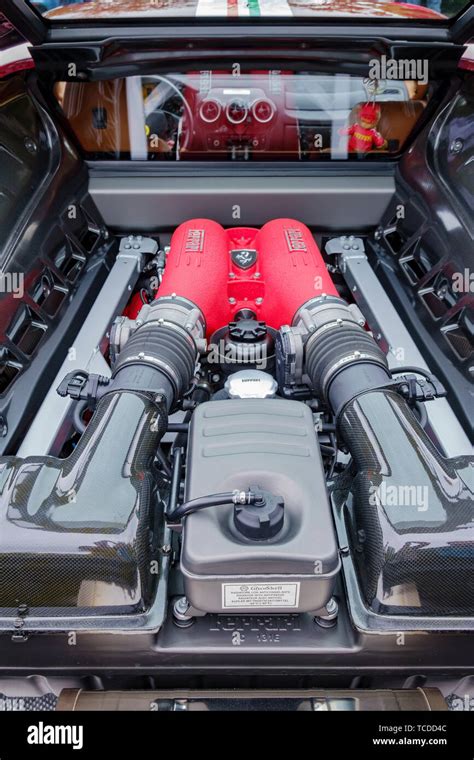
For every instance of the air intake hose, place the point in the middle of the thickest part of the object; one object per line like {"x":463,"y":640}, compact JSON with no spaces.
{"x":410,"y":511}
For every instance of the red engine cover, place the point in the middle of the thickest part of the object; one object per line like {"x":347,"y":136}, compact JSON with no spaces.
{"x":272,"y":271}
{"x":197,"y":268}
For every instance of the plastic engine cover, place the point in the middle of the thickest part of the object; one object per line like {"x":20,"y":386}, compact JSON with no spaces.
{"x":272,"y":271}
{"x":270,"y":443}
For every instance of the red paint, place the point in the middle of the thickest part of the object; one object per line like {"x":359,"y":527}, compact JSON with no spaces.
{"x":292,"y":268}
{"x":197,"y":268}
{"x":16,"y":66}
{"x":134,"y":305}
{"x":232,"y":7}
{"x":289,"y":270}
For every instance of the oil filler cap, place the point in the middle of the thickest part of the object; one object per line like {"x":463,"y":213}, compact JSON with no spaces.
{"x":261,"y":520}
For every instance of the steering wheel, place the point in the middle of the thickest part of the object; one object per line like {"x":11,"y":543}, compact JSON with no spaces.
{"x":187,"y":109}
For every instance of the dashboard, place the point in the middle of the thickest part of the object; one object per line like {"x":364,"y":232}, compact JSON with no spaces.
{"x":263,"y":115}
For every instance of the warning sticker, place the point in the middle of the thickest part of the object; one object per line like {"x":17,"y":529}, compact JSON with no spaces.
{"x":268,"y":595}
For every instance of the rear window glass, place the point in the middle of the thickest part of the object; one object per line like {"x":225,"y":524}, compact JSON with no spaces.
{"x":260,"y":115}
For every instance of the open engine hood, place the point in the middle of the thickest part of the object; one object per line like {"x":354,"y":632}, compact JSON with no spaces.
{"x":342,"y":19}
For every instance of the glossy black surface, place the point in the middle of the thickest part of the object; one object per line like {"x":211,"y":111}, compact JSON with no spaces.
{"x":76,"y":532}
{"x":410,"y":512}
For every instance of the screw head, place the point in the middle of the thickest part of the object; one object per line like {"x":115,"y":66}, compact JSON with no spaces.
{"x":30,"y":145}
{"x":182,"y":605}
{"x":456,"y":146}
{"x":331,"y":606}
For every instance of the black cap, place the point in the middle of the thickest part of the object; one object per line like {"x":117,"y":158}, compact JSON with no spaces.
{"x":261,"y":520}
{"x":247,"y":330}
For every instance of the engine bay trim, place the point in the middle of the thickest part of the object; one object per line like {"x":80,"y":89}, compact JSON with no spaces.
{"x":54,"y":411}
{"x":314,"y":200}
{"x":392,"y":335}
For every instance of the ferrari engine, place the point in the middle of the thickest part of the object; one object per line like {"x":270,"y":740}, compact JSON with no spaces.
{"x":249,"y":413}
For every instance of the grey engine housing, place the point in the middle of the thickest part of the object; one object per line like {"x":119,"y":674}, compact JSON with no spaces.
{"x":234,"y":444}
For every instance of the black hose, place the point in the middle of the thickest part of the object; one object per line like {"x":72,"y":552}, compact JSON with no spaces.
{"x":175,"y":480}
{"x":77,"y":412}
{"x":203,"y":502}
{"x":213,"y":500}
{"x":163,"y":462}
{"x":180,"y":439}
{"x":178,"y":427}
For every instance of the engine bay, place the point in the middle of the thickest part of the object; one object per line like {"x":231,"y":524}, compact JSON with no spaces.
{"x":239,"y":442}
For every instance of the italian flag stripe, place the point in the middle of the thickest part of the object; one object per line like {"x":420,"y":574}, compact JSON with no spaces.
{"x":212,"y":8}
{"x":242,"y":8}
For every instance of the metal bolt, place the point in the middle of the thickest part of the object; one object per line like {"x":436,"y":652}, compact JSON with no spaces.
{"x":232,"y":300}
{"x":30,"y":145}
{"x":331,"y":606}
{"x":259,"y":300}
{"x":182,"y":605}
{"x":232,"y":275}
{"x":139,"y":322}
{"x":257,"y":275}
{"x":166,"y":549}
